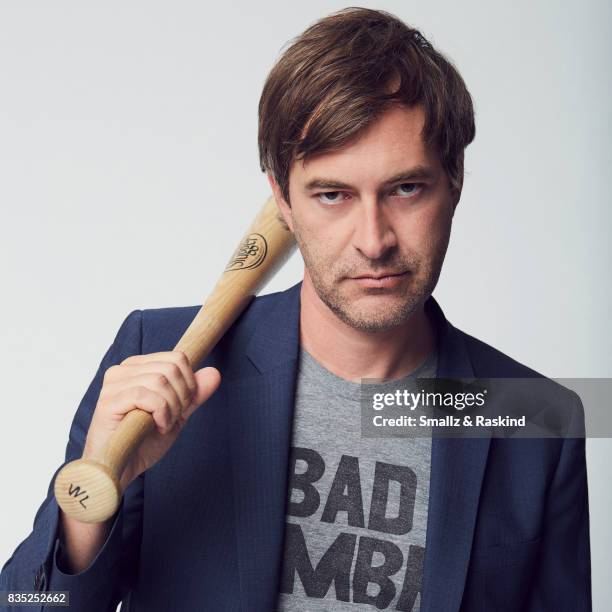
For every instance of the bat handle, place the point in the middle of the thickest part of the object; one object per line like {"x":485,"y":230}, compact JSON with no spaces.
{"x":89,"y":490}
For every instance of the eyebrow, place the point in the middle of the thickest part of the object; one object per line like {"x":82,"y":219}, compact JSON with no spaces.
{"x":416,"y":173}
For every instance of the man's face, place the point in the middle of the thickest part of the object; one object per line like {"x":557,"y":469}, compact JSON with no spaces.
{"x":380,"y":206}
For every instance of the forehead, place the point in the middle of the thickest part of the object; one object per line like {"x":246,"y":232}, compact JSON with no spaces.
{"x":391,"y":144}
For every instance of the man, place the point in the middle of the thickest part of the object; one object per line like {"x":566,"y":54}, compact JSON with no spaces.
{"x":268,"y":497}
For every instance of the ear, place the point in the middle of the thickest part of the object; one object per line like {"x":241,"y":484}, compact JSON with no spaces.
{"x":283,"y":206}
{"x":456,"y":196}
{"x":455,"y":193}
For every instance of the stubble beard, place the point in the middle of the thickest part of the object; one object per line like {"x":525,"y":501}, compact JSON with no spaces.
{"x":422,"y":280}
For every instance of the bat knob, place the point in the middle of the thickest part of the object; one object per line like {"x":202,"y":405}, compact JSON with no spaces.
{"x":87,"y":491}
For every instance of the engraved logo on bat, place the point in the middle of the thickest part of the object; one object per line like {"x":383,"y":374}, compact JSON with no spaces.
{"x":250,"y":254}
{"x":75,"y":491}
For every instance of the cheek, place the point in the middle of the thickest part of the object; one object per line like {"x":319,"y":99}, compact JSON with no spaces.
{"x":428,"y":232}
{"x":321,"y":237}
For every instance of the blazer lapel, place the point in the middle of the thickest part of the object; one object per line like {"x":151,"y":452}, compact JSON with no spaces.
{"x":260,"y":410}
{"x":457,"y":469}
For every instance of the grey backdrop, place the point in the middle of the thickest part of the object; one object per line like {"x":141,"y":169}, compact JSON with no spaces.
{"x":129,"y":170}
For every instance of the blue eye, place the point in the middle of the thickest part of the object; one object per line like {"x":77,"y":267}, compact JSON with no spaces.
{"x":326,"y":194}
{"x":404,"y":190}
{"x":415,"y":188}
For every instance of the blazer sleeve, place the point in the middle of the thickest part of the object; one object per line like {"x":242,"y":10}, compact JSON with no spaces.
{"x":33,"y":565}
{"x":563,"y":577}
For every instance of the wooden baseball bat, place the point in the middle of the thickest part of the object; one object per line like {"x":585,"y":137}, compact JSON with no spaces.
{"x":88,"y":489}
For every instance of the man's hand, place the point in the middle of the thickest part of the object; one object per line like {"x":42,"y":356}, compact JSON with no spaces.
{"x":162,"y":384}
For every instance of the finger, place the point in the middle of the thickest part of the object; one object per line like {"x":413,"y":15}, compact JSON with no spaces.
{"x":172,"y":371}
{"x":145,"y":399}
{"x":178,"y":357}
{"x":208,"y":380}
{"x":156,"y":382}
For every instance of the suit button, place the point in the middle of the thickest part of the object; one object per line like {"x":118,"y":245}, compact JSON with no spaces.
{"x":39,"y":579}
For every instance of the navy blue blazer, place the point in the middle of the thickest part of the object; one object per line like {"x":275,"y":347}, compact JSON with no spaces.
{"x":203,"y":529}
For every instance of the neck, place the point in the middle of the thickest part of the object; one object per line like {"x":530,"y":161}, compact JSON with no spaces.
{"x":353,"y":354}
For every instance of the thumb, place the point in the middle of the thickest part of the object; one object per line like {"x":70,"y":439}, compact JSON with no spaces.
{"x":207,"y":380}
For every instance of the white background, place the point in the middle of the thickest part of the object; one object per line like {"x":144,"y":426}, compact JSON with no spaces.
{"x":129,"y":170}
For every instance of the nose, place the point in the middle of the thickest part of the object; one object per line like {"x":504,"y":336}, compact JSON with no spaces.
{"x":374,"y":234}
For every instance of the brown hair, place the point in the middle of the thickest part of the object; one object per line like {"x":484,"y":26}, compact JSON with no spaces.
{"x":333,"y":81}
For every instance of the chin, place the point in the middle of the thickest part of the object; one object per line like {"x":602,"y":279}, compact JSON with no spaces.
{"x":375,"y":319}
{"x":374,"y":325}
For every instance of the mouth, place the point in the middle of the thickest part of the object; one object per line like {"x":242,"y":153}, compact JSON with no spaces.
{"x":381,"y":275}
{"x":384,"y":280}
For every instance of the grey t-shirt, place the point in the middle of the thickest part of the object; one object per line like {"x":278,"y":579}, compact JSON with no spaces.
{"x":356,"y":519}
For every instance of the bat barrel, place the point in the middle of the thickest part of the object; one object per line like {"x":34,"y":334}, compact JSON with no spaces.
{"x":89,"y":489}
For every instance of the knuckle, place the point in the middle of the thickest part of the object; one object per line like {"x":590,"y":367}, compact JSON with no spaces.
{"x":182,"y":357}
{"x":110,"y":372}
{"x":175,"y":370}
{"x":139,"y":392}
{"x":160,"y":379}
{"x":165,"y":416}
{"x":164,"y":405}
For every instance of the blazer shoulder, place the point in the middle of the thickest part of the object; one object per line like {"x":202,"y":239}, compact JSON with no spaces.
{"x":163,"y":327}
{"x":566,"y":404}
{"x":489,"y":362}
